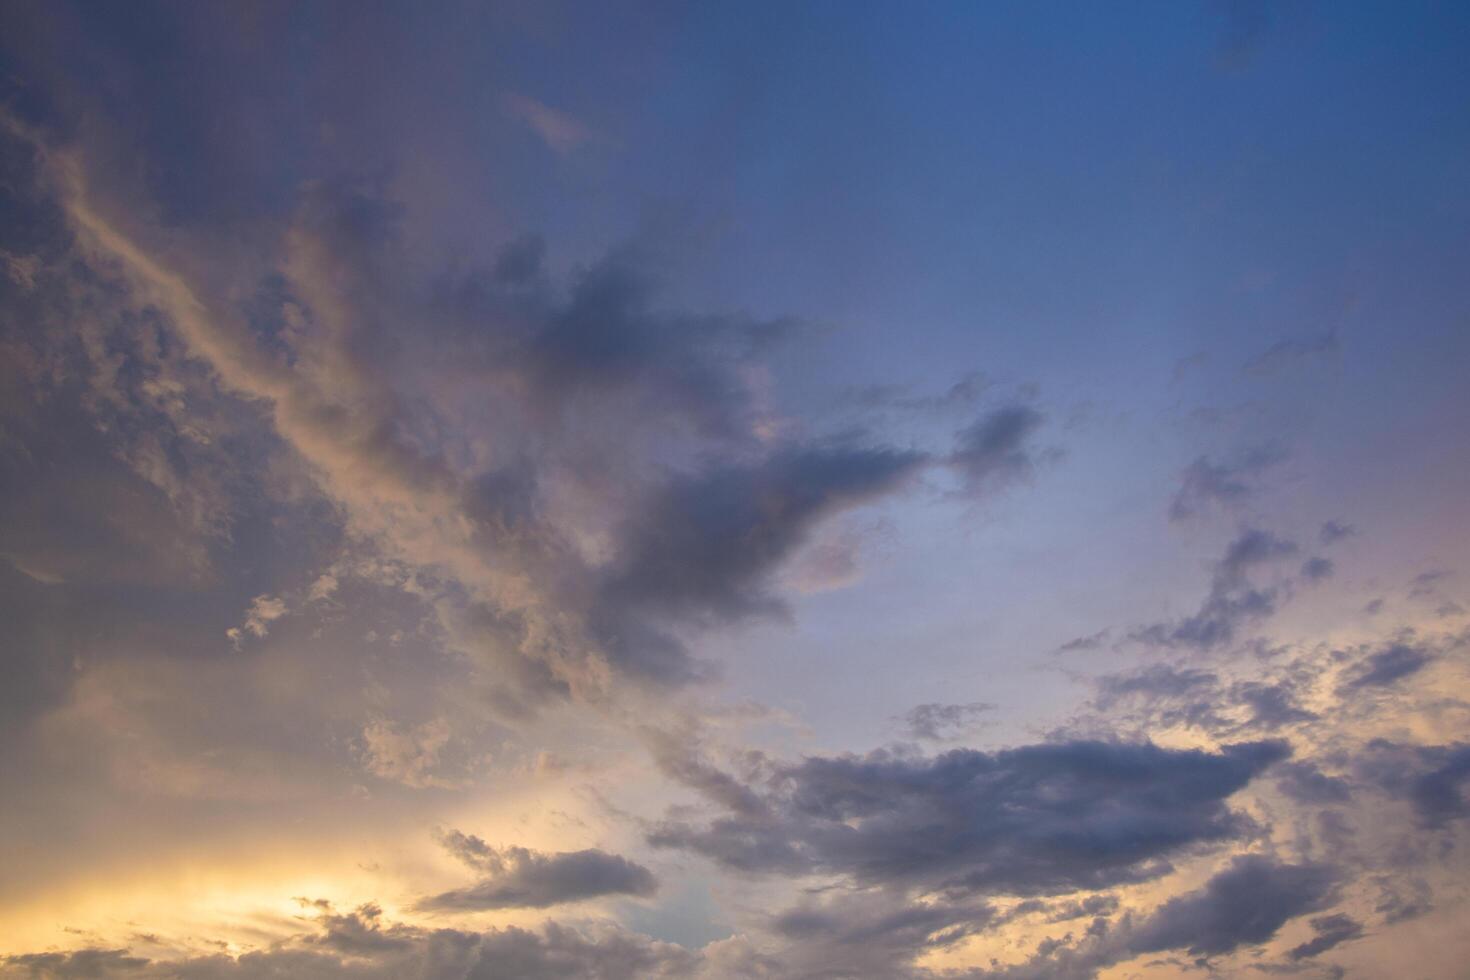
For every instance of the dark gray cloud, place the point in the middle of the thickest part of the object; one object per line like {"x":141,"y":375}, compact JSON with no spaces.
{"x":609,"y":339}
{"x":1387,"y":667}
{"x":1206,"y":485}
{"x":704,"y":547}
{"x":706,"y":544}
{"x":516,"y":877}
{"x":1245,"y":904}
{"x":1403,"y":898}
{"x":1317,"y":569}
{"x":935,"y":722}
{"x":996,"y":449}
{"x":1234,"y":600}
{"x":1272,"y":705}
{"x":1306,"y":783}
{"x":1332,"y":532}
{"x":1040,"y":819}
{"x":1439,"y":794}
{"x":1331,"y":931}
{"x":1432,"y":779}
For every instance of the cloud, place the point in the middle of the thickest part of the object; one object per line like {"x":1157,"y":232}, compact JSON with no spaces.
{"x":704,"y":548}
{"x":521,"y":878}
{"x":1317,"y":569}
{"x":1155,"y":681}
{"x":1425,"y":585}
{"x":1439,"y":794}
{"x":706,"y":544}
{"x":1206,"y":485}
{"x":577,"y":391}
{"x":936,"y":722}
{"x":263,"y":611}
{"x":1332,"y":532}
{"x":867,"y":934}
{"x":1430,"y":778}
{"x":409,"y":755}
{"x":1331,"y":931}
{"x":995,"y":450}
{"x":75,"y":964}
{"x":359,"y":945}
{"x":1245,"y":904}
{"x":1168,"y":695}
{"x":1395,"y":906}
{"x":1233,"y":602}
{"x":1304,"y":782}
{"x":1036,"y":820}
{"x":1272,"y":705}
{"x":1090,"y":642}
{"x":1387,"y":667}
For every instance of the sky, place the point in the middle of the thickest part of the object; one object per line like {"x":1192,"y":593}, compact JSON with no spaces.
{"x":791,"y":491}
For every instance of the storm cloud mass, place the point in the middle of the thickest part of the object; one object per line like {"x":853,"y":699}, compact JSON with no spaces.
{"x":777,"y":491}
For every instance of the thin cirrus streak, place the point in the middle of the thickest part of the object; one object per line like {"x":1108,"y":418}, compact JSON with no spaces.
{"x":768,"y":492}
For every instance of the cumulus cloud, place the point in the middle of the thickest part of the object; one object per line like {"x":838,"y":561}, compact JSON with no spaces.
{"x":1035,"y":820}
{"x":516,"y":877}
{"x":1246,"y":903}
{"x":1242,"y":905}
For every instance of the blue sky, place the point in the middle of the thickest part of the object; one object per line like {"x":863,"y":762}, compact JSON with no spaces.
{"x":762,"y":490}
